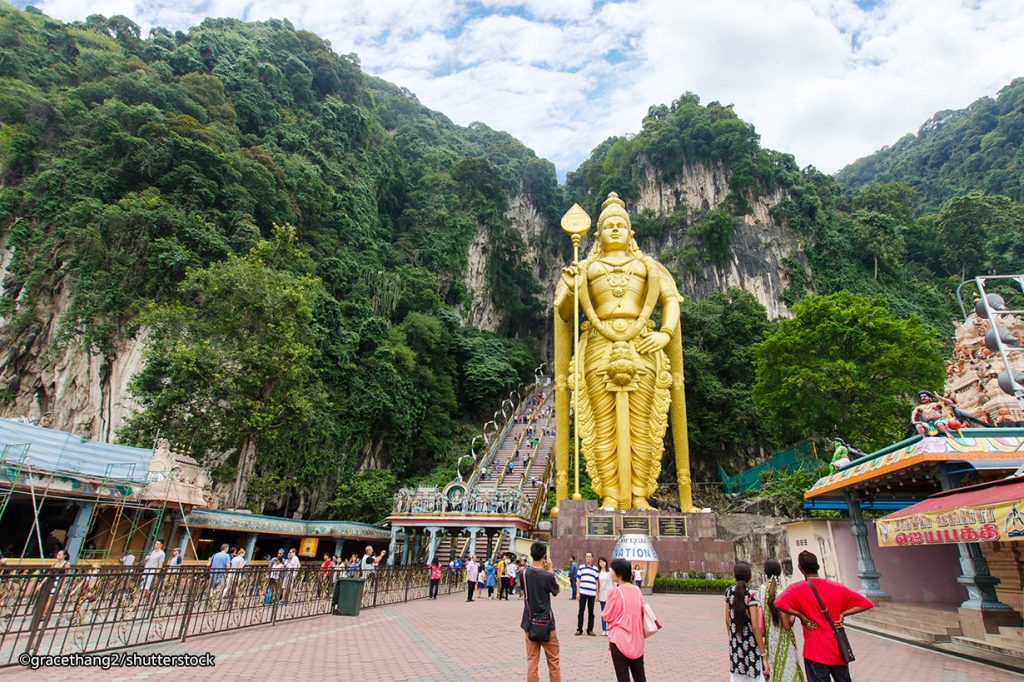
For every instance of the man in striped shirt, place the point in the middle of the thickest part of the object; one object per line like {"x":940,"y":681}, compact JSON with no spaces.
{"x":587,"y":578}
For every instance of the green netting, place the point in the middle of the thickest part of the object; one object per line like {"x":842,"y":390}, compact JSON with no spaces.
{"x":792,"y":458}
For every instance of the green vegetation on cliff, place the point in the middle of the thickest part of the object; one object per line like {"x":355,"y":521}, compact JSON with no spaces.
{"x":974,"y":149}
{"x":294,"y":238}
{"x":145,"y":178}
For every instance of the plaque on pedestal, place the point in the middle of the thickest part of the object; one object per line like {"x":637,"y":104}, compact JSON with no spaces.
{"x":635,"y":524}
{"x":672,"y":526}
{"x":601,"y":526}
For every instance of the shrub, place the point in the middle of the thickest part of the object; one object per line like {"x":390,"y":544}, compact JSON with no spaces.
{"x":668,"y":584}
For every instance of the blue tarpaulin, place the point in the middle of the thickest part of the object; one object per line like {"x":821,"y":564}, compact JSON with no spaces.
{"x":53,"y":450}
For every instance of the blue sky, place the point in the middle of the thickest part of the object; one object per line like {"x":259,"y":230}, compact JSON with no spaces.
{"x":826,"y":80}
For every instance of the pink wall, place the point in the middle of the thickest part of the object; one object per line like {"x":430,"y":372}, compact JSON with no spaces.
{"x":914,"y":574}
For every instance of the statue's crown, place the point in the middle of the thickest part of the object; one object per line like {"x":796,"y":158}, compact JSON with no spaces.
{"x":612,"y":206}
{"x":613,"y":198}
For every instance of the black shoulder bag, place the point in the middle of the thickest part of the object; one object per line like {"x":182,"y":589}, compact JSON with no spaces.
{"x":538,"y":627}
{"x":845,"y":650}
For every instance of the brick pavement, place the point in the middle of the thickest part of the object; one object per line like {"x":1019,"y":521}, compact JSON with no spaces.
{"x":449,"y":639}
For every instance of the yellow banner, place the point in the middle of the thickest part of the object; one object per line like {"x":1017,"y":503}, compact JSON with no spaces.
{"x":307,"y":547}
{"x":989,"y":523}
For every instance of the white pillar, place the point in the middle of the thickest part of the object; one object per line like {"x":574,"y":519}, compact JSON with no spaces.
{"x":473,"y":531}
{"x":391,"y":547}
{"x":434,"y":541}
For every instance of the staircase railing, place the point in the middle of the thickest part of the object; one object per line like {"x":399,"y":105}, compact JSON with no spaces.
{"x":538,"y":502}
{"x":533,"y":458}
{"x":501,"y":476}
{"x":488,"y":457}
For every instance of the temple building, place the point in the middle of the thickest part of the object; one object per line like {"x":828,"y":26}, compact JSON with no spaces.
{"x":946,"y":561}
{"x":104,"y":502}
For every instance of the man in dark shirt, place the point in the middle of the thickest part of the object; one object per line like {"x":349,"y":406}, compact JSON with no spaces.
{"x":540,"y":585}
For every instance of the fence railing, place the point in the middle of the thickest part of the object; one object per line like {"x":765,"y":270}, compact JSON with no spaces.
{"x":85,"y":610}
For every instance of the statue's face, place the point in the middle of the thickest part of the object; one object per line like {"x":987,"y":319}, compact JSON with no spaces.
{"x":615,"y":234}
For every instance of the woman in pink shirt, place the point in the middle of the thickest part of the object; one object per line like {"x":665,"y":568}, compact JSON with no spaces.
{"x":624,"y":613}
{"x":435,"y":578}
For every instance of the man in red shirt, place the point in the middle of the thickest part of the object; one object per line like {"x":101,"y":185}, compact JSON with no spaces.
{"x":822,"y":659}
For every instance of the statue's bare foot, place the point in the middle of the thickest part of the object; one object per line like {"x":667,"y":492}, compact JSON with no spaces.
{"x":641,"y":503}
{"x":609,"y":504}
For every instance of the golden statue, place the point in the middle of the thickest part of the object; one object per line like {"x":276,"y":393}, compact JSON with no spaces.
{"x":631,"y":377}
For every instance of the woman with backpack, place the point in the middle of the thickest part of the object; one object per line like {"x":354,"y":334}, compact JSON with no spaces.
{"x":748,"y":660}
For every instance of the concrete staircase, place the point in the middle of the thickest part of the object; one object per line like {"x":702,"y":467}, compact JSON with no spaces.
{"x":1009,"y":642}
{"x":444,"y":547}
{"x":913,"y":622}
{"x":938,"y":627}
{"x":532,"y":461}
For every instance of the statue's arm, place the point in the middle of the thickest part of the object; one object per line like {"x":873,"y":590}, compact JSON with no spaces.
{"x":670,"y":299}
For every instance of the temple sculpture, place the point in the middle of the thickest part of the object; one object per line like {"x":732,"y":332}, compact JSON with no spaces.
{"x":631,"y":367}
{"x":972,"y":374}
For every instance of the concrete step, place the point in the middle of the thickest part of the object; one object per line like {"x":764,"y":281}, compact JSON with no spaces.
{"x":1009,"y":641}
{"x":1012,"y":662}
{"x":915,"y":632}
{"x":884,"y":620}
{"x":1017,"y":632}
{"x":915,"y":613}
{"x":997,"y":647}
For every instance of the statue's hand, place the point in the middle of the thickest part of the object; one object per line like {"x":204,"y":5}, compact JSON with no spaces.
{"x":654,"y":341}
{"x":569,"y":276}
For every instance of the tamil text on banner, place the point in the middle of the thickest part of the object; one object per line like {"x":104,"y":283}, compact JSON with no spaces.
{"x":997,"y":522}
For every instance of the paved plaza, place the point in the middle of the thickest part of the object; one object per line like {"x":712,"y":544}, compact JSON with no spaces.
{"x":451,"y":640}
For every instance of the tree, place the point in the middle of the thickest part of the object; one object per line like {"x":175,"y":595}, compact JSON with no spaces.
{"x":980,"y":232}
{"x":877,"y":237}
{"x":895,"y":199}
{"x":364,"y":496}
{"x":720,"y":334}
{"x":228,"y":364}
{"x":715,"y":232}
{"x":844,"y":366}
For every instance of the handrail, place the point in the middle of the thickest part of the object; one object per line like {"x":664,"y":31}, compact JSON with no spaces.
{"x":536,"y":450}
{"x":84,"y":610}
{"x":538,"y":501}
{"x":488,"y":457}
{"x":501,"y":476}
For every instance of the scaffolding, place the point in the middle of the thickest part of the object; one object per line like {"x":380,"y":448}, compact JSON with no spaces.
{"x":118,"y":489}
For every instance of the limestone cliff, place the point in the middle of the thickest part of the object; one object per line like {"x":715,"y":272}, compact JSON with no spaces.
{"x":60,"y":384}
{"x":759,"y":244}
{"x":536,"y":230}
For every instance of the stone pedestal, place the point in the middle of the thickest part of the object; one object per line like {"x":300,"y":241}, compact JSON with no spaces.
{"x":684,"y":542}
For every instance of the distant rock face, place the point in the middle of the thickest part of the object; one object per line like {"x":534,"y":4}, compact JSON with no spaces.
{"x":482,"y":312}
{"x":759,"y":244}
{"x":537,"y":233}
{"x":64,"y":387}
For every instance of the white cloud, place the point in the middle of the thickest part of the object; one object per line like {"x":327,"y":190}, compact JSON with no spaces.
{"x":822,"y":79}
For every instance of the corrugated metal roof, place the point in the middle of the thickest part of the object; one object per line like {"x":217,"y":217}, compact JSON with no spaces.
{"x":55,"y":450}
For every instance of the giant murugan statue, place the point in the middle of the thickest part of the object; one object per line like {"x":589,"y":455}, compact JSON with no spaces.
{"x":631,"y":378}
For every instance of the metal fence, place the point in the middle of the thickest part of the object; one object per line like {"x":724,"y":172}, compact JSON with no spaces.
{"x":45,"y":611}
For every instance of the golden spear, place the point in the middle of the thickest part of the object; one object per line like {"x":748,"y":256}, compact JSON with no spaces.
{"x":576,"y":223}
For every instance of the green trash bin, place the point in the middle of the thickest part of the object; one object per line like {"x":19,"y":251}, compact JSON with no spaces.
{"x":348,"y":596}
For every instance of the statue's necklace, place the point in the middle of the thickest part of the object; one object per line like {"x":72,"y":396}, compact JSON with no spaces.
{"x":618,"y":277}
